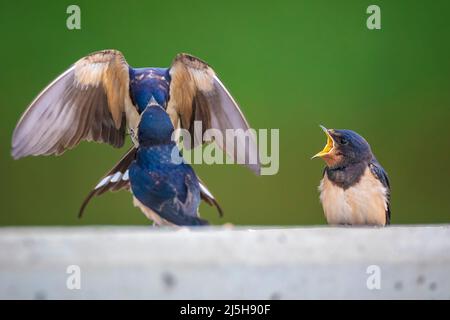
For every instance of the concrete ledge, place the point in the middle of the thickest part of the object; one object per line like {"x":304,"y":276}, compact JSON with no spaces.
{"x":217,"y":263}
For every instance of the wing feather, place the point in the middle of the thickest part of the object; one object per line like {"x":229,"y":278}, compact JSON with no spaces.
{"x":86,"y":102}
{"x":120,"y":170}
{"x":197,"y":94}
{"x":379,"y":173}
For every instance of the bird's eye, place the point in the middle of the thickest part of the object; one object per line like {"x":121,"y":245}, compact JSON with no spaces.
{"x":344,"y":141}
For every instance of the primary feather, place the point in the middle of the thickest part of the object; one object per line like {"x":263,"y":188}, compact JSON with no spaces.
{"x":87,"y":102}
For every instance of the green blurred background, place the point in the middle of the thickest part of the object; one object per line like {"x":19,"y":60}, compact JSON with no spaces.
{"x":291,"y":65}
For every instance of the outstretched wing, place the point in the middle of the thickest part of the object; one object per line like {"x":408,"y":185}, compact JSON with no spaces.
{"x":197,"y":94}
{"x":379,"y":173}
{"x":86,"y":102}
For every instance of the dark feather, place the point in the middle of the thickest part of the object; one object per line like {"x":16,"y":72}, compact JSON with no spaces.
{"x":208,"y":197}
{"x":171,"y":191}
{"x":122,"y":166}
{"x":378,"y":171}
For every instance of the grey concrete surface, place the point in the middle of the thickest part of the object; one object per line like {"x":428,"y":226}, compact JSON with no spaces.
{"x":217,"y":263}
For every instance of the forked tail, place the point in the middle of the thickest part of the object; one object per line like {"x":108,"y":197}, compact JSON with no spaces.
{"x":117,"y":179}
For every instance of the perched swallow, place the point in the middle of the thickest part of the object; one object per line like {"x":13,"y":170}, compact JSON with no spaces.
{"x":355,"y":188}
{"x":101,"y":96}
{"x":167,"y":191}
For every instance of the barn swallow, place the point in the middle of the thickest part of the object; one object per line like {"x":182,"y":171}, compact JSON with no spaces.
{"x":167,"y":191}
{"x":100,"y":97}
{"x":355,"y":188}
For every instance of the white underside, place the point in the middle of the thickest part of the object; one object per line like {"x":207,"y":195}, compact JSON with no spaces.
{"x":365,"y":203}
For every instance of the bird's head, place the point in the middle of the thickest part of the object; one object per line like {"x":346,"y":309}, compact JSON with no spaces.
{"x":155,"y":126}
{"x":344,"y":147}
{"x":147,"y":84}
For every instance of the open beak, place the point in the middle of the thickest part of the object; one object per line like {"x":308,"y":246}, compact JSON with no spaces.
{"x":328,"y":147}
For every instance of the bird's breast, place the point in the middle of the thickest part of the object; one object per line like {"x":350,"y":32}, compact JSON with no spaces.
{"x":364,"y":203}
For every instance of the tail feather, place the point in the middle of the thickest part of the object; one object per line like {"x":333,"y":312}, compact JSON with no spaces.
{"x":116,"y":179}
{"x":207,"y":196}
